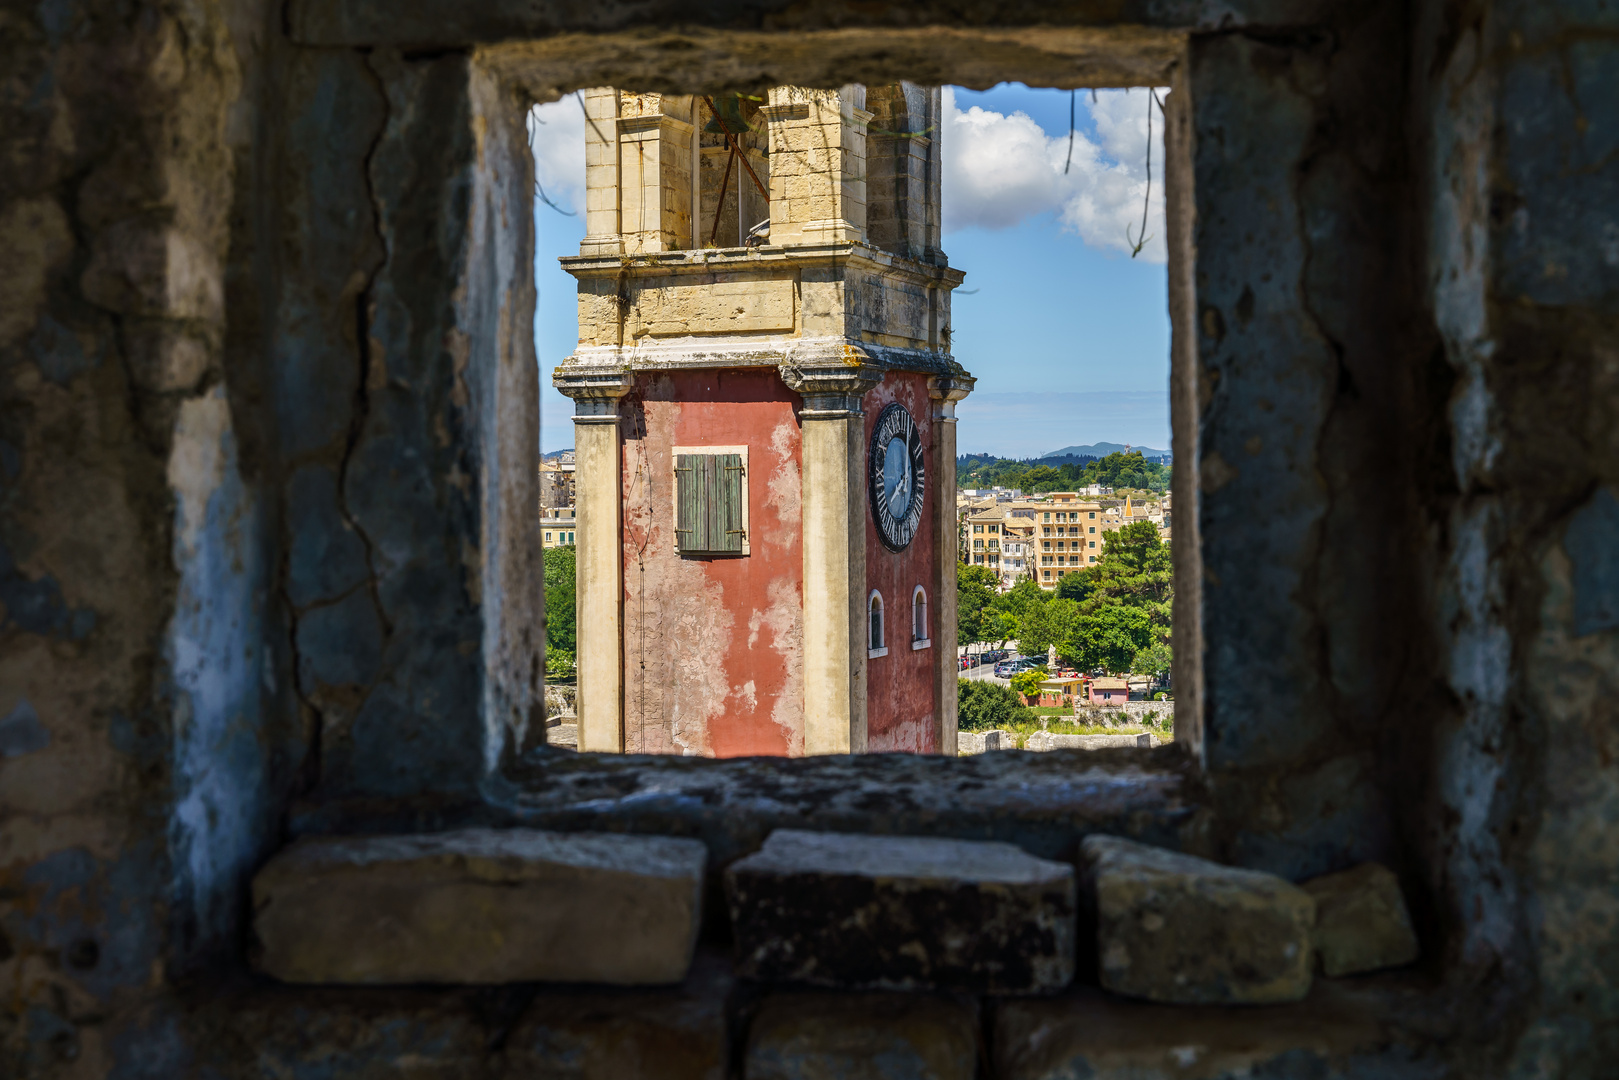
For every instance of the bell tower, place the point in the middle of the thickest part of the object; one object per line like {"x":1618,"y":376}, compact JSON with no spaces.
{"x":764,"y":425}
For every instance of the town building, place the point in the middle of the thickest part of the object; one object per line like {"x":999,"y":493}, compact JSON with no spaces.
{"x":1109,"y":690}
{"x":1017,"y":546}
{"x":556,"y":480}
{"x":984,"y":537}
{"x":1070,"y":537}
{"x":765,"y":430}
{"x":557,"y":526}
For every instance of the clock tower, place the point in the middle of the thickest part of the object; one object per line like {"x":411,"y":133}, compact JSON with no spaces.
{"x":764,"y":425}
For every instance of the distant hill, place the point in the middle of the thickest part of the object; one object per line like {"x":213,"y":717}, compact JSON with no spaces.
{"x":1103,"y":449}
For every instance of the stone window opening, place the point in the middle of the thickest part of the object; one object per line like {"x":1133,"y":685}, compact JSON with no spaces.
{"x":919,"y":619}
{"x":1253,"y":104}
{"x":876,"y":640}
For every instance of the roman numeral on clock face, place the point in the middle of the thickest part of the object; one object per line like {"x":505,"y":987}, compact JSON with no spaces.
{"x":895,"y":466}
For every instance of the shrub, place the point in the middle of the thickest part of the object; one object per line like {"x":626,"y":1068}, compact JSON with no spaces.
{"x":559,"y":665}
{"x":984,"y":705}
{"x":1028,"y":682}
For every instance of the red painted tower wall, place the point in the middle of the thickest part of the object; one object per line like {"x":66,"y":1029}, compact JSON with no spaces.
{"x":713,"y":644}
{"x":901,"y":689}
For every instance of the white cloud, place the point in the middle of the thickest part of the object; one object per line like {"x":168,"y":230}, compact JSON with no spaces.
{"x":1000,"y":170}
{"x":557,"y":134}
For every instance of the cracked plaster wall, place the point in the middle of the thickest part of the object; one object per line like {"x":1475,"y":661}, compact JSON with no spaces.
{"x":714,"y":647}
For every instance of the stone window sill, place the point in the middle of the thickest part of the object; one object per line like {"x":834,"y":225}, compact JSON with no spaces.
{"x":873,"y":654}
{"x":921,"y":643}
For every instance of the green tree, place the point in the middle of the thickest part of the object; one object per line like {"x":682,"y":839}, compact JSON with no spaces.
{"x":561,"y":628}
{"x":1045,"y":625}
{"x":1017,"y":600}
{"x":1135,"y":569}
{"x":1109,"y":638}
{"x":1073,"y":586}
{"x":984,"y":705}
{"x":1154,"y":660}
{"x":975,"y":592}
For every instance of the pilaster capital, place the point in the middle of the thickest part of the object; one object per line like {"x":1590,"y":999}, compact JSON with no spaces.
{"x":945,"y":390}
{"x":833,"y":390}
{"x":595,"y":391}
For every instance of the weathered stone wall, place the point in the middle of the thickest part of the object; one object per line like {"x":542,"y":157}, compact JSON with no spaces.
{"x":1512,"y":108}
{"x":265,"y":306}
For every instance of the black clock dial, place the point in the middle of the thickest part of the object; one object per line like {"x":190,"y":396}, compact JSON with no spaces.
{"x":895,"y":467}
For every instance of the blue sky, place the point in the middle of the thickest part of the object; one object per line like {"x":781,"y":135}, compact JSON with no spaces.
{"x":1067,"y":334}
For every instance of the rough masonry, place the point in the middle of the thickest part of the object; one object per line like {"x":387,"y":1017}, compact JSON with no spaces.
{"x":267,"y":426}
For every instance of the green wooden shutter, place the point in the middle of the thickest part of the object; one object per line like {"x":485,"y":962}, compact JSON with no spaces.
{"x":729,"y":474}
{"x":709,"y":494}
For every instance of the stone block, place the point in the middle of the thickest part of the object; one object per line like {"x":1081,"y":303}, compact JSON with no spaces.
{"x":1179,"y":929}
{"x":327,"y":1032}
{"x":1045,"y":740}
{"x":480,"y":906}
{"x":902,"y":912}
{"x":862,"y":1037}
{"x":675,"y":1034}
{"x":1087,"y":1033}
{"x":1361,"y":921}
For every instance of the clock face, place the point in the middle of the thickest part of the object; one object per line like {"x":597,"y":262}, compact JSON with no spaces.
{"x":895,"y":467}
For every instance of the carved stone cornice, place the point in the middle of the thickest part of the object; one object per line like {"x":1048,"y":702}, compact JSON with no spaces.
{"x":833,"y":390}
{"x":947,"y":389}
{"x":595,"y":391}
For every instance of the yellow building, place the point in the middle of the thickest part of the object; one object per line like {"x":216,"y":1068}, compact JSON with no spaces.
{"x":1070,"y":537}
{"x":556,"y":526}
{"x":984,"y":537}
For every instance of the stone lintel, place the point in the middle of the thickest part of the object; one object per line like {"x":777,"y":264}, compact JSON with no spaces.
{"x":791,"y":110}
{"x":480,"y":906}
{"x":631,"y":128}
{"x":902,"y":912}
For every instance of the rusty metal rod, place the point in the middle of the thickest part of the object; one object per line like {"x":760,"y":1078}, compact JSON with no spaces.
{"x":719,"y":207}
{"x":737,"y":150}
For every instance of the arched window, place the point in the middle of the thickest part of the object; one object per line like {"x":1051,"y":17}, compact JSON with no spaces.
{"x":919,"y":619}
{"x":877,"y":646}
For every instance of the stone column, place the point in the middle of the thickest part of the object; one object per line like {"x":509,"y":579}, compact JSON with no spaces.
{"x":599,"y":584}
{"x":817,"y":164}
{"x":834,"y":532}
{"x":945,"y":390}
{"x":654,"y":172}
{"x":601,"y":173}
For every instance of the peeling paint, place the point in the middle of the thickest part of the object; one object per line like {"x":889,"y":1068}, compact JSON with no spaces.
{"x":699,"y":630}
{"x":222,"y":801}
